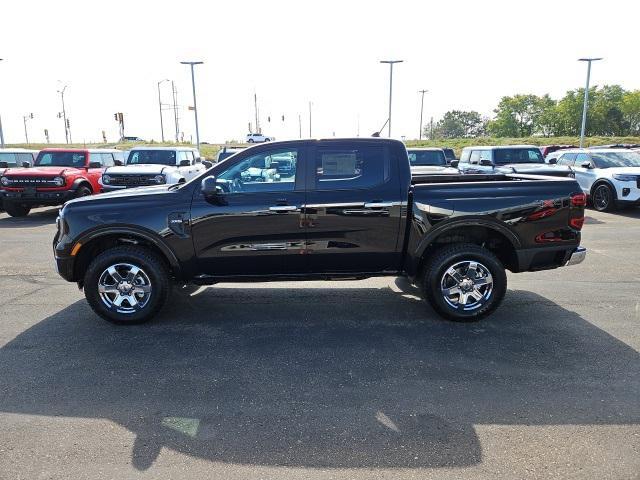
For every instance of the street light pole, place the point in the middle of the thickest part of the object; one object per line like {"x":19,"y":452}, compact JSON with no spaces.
{"x":585,"y":104}
{"x":160,"y":108}
{"x":195,"y":107}
{"x":64,"y":114}
{"x":26,"y":133}
{"x":309,"y":119}
{"x":421,"y":110}
{"x":391,"y":63}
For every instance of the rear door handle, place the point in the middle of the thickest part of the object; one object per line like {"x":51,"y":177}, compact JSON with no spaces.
{"x":283,"y":208}
{"x":378,"y":205}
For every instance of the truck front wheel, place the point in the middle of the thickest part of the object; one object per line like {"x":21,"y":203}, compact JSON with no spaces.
{"x":464,"y":282}
{"x":127,"y":284}
{"x":16,"y":209}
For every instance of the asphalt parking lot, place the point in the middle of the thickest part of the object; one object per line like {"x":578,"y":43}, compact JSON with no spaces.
{"x":345,"y":380}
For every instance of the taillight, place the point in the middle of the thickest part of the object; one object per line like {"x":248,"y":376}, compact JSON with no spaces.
{"x":576,"y":223}
{"x":578,"y":200}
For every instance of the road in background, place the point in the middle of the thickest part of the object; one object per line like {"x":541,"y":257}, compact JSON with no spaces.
{"x":342,"y":380}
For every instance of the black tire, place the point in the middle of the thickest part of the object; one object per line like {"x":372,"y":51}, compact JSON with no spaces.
{"x":435,"y":276}
{"x":154,"y":271}
{"x":603,"y":198}
{"x":250,"y":140}
{"x":16,"y":209}
{"x":82,"y":191}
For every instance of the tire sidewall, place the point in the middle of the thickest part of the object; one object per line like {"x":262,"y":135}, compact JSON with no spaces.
{"x":434,"y":275}
{"x":612,"y":198}
{"x":16,"y":209}
{"x":150,"y":264}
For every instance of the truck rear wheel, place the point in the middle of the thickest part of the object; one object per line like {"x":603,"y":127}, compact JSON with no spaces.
{"x":464,"y":282}
{"x":127,"y":285}
{"x":16,"y":209}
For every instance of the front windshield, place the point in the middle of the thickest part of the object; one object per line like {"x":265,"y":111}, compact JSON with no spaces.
{"x":61,"y":159}
{"x":152,"y":157}
{"x":517,"y":155}
{"x":427,"y":157}
{"x":616,"y":159}
{"x":9,"y":158}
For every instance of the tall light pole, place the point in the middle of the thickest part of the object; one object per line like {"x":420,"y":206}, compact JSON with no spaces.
{"x":421,"y":110}
{"x":1,"y":132}
{"x":195,"y":107}
{"x":160,"y":108}
{"x":310,"y":119}
{"x":585,"y":105}
{"x":391,"y":63}
{"x":64,"y":114}
{"x":24,"y":119}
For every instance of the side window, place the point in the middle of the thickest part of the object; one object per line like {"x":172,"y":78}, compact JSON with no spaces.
{"x":191,"y":157}
{"x":348,"y":168}
{"x":272,"y":171}
{"x":475,"y":156}
{"x":185,"y":155}
{"x":582,"y":158}
{"x":107,"y":160}
{"x":464,"y":157}
{"x":567,"y":159}
{"x":119,"y":156}
{"x":485,"y":155}
{"x":95,"y":157}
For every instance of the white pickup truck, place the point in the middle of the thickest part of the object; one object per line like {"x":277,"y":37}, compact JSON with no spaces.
{"x":154,"y":166}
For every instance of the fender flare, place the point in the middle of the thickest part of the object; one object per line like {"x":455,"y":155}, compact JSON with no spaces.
{"x":79,"y":181}
{"x":466,"y":222}
{"x":146,"y":235}
{"x":600,"y":181}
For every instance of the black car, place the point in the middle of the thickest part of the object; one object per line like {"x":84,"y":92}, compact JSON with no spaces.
{"x":350,"y":209}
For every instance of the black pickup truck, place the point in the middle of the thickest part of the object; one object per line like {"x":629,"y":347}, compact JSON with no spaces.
{"x":349,"y":208}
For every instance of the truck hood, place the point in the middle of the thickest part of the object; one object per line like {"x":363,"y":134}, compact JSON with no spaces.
{"x":135,"y":169}
{"x":128,"y":193}
{"x":433,"y":170}
{"x":39,"y":171}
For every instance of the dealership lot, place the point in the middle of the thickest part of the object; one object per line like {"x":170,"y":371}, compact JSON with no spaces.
{"x":324,"y":379}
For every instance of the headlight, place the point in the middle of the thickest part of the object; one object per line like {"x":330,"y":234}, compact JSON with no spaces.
{"x":5,"y":181}
{"x":59,"y":181}
{"x":159,"y":178}
{"x":625,"y":178}
{"x":106,"y":179}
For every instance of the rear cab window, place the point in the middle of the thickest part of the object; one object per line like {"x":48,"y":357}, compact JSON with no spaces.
{"x":347,"y":168}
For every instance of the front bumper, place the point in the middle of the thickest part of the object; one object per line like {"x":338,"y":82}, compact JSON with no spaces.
{"x":38,"y":198}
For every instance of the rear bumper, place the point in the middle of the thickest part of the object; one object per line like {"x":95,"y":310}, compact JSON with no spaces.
{"x":547,"y":258}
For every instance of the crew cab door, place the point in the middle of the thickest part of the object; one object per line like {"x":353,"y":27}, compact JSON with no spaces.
{"x":254,"y":225}
{"x":353,"y":208}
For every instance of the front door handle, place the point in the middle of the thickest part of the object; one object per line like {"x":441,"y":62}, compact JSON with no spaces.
{"x":378,"y":205}
{"x":283,"y":208}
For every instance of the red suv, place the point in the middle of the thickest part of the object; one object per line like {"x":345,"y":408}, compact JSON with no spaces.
{"x":58,"y":175}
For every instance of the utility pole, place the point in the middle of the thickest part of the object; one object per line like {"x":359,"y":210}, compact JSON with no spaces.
{"x":160,"y":108}
{"x":310,"y":120}
{"x":24,"y":119}
{"x":1,"y":132}
{"x":585,"y":105}
{"x":421,"y":110}
{"x":255,"y":107}
{"x":195,"y":106}
{"x":391,"y":63}
{"x":175,"y":110}
{"x":64,"y":114}
{"x":299,"y":126}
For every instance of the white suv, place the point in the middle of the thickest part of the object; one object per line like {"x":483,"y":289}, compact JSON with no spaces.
{"x":609,"y":176}
{"x":258,"y":138}
{"x":154,"y":166}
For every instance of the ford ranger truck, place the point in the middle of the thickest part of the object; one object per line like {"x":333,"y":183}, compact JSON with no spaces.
{"x":350,"y":209}
{"x":58,"y":175}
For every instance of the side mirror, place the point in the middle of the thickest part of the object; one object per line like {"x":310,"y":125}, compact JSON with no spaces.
{"x":552,"y":161}
{"x":454,"y":163}
{"x":184,"y":163}
{"x":118,"y":163}
{"x":210,"y":187}
{"x":207,"y":164}
{"x":199,"y":160}
{"x":26,"y":165}
{"x":486,"y":163}
{"x":95,"y":165}
{"x":585,"y":164}
{"x":4,"y":164}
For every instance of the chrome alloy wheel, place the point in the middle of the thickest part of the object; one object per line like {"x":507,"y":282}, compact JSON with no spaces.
{"x":125,"y":288}
{"x":602,"y":197}
{"x":466,"y":285}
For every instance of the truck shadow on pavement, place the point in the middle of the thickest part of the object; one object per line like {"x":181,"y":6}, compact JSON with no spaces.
{"x":321,"y":377}
{"x":36,"y":218}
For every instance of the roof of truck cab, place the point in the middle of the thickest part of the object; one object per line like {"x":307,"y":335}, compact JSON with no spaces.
{"x":597,"y":150}
{"x":17,"y":150}
{"x":169,"y":149}
{"x":82,"y":150}
{"x":426,"y":149}
{"x":498,"y":147}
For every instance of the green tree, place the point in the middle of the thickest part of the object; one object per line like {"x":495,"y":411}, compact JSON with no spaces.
{"x":518,"y":116}
{"x":459,"y":124}
{"x":631,"y":111}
